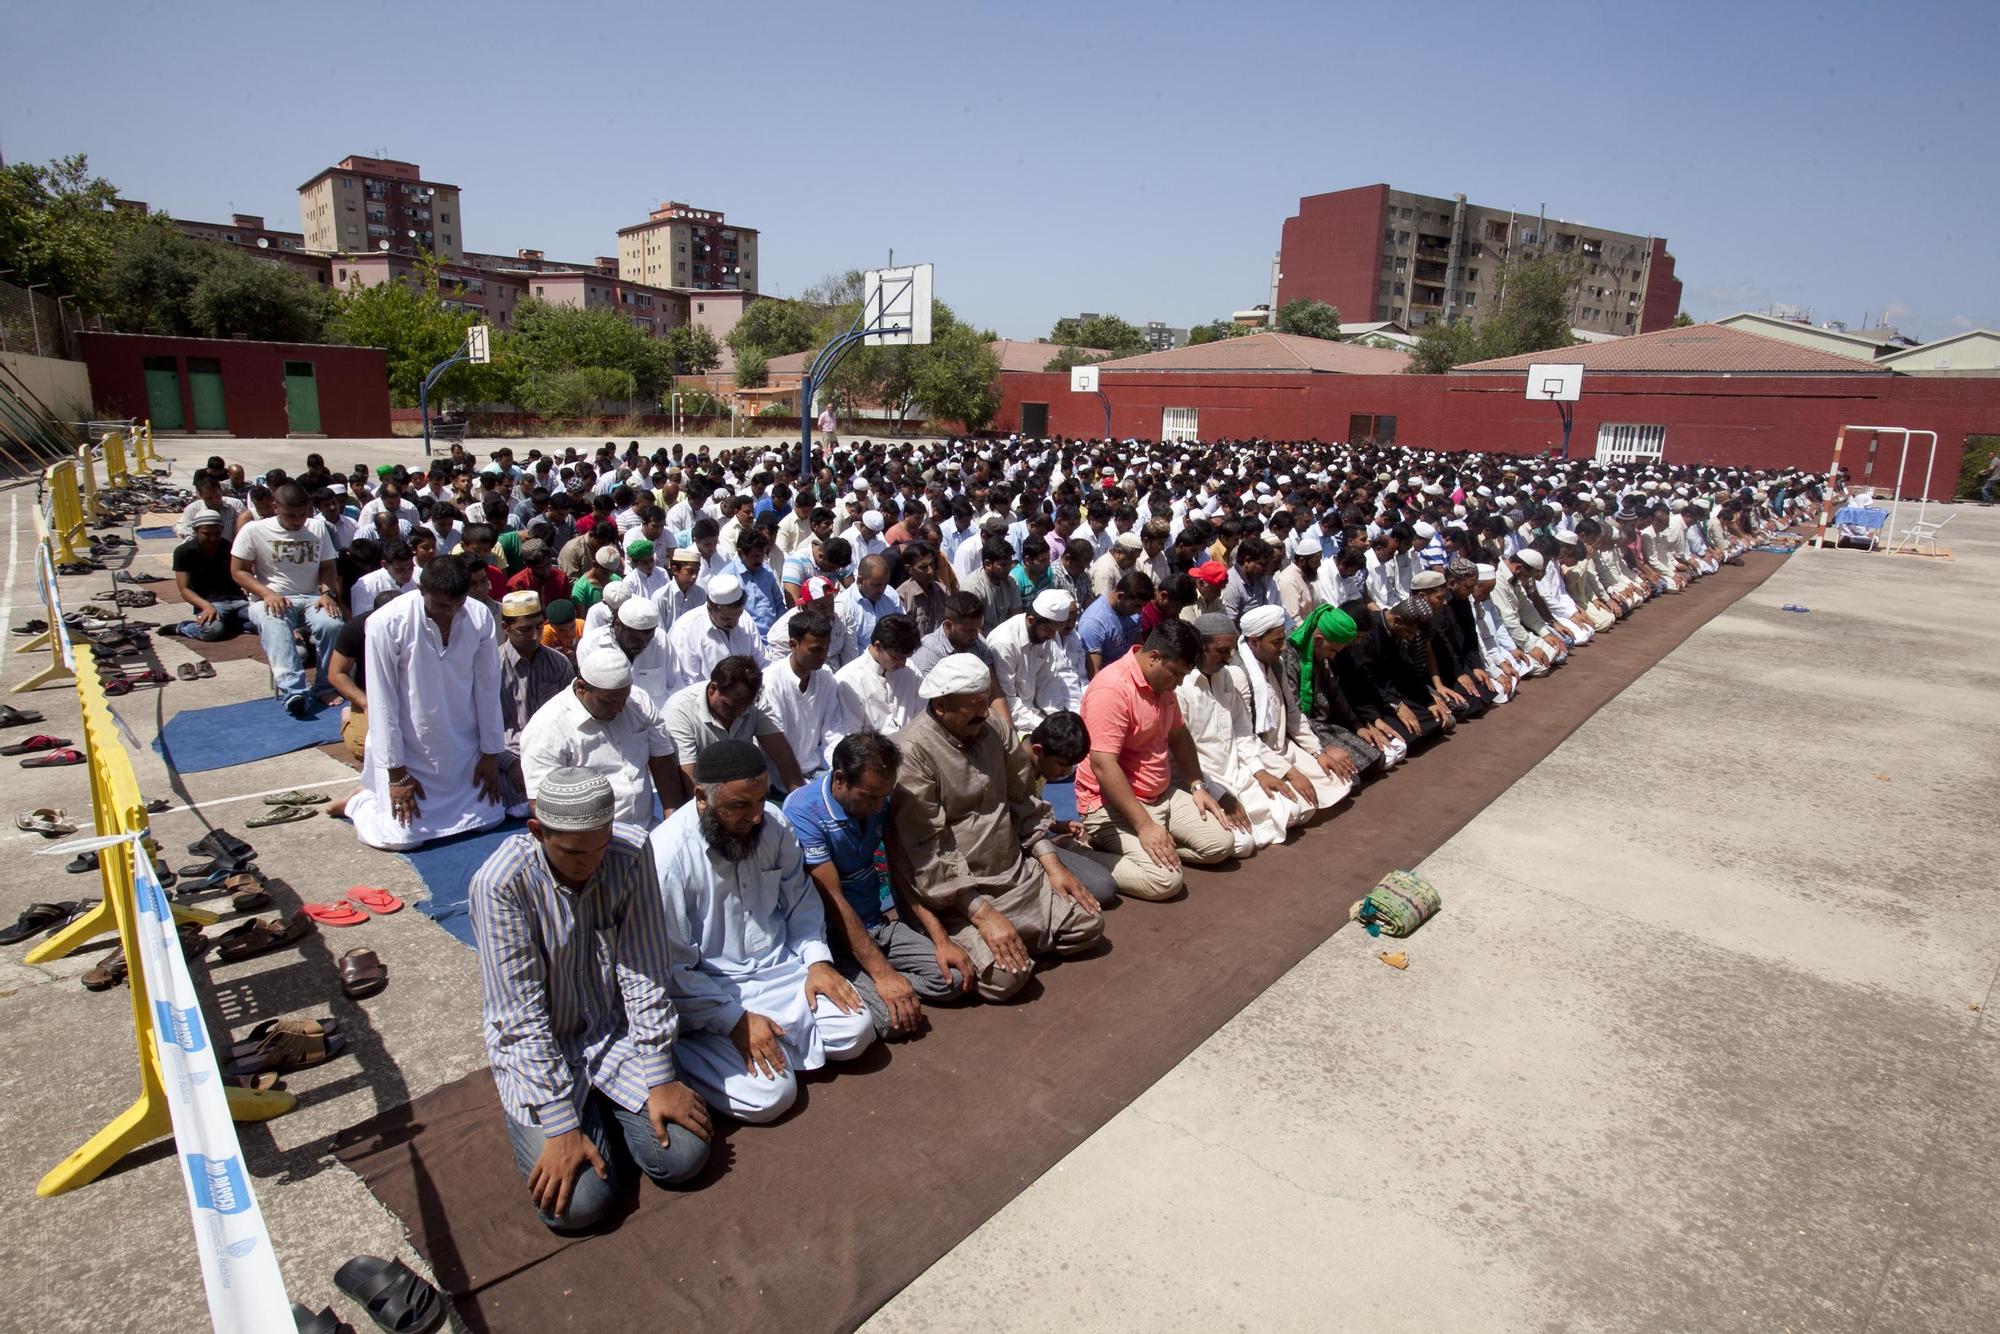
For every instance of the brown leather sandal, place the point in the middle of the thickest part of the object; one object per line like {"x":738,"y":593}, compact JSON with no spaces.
{"x":362,"y":974}
{"x":261,"y":935}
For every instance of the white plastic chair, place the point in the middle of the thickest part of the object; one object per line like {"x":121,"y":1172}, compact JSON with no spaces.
{"x":1919,"y":533}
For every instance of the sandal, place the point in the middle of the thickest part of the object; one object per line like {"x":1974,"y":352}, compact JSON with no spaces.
{"x":36,"y":917}
{"x":286,"y":1046}
{"x":53,"y":759}
{"x":220,"y":843}
{"x":107,"y":972}
{"x":362,"y":974}
{"x":261,"y":1083}
{"x":185,"y":671}
{"x":378,"y":901}
{"x":322,"y":1321}
{"x":82,"y":862}
{"x":278,"y":815}
{"x":204,"y":669}
{"x":396,"y":1299}
{"x":296,"y":798}
{"x":48,"y":821}
{"x":40,"y":741}
{"x":13,"y":717}
{"x":76,"y":911}
{"x":261,"y":935}
{"x":334,"y":914}
{"x":247,"y":891}
{"x":32,"y":628}
{"x":261,"y":1034}
{"x":152,"y":676}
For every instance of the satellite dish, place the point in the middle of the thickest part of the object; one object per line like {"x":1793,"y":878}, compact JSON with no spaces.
{"x":413,"y":232}
{"x":263,"y":243}
{"x":381,"y":245}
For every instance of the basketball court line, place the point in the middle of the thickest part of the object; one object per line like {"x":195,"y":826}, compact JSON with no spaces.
{"x":353,"y":779}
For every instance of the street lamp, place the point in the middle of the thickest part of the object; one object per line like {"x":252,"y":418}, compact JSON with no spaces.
{"x":34,"y":318}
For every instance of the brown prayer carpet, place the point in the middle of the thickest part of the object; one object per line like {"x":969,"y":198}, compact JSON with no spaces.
{"x":814,"y":1222}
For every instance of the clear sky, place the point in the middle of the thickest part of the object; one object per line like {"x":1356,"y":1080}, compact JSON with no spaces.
{"x":1054,"y":158}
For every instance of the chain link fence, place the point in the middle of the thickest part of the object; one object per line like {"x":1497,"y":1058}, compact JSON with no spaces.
{"x":37,"y":324}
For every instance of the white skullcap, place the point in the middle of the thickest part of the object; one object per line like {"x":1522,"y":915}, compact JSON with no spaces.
{"x":957,"y":674}
{"x":725,"y":590}
{"x":616,"y":596}
{"x":1054,"y":604}
{"x":604,"y":665}
{"x":1259,"y":620}
{"x":1487,"y":573}
{"x":608,"y":557}
{"x":639,"y":614}
{"x":203,"y":517}
{"x":872,"y":520}
{"x":1423,"y":530}
{"x":1566,"y":537}
{"x":1531,"y":558}
{"x":1305,"y":546}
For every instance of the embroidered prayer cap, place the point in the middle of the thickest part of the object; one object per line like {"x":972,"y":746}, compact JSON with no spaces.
{"x":573,"y":800}
{"x":521,"y":602}
{"x":1262,"y":620}
{"x":1054,"y":604}
{"x":534,"y":549}
{"x":1458,"y":567}
{"x":1413,"y":608}
{"x":685,"y":556}
{"x":604,"y":666}
{"x":725,"y":590}
{"x":639,"y":614}
{"x":727,"y":761}
{"x":956,"y":674}
{"x":608,"y":557}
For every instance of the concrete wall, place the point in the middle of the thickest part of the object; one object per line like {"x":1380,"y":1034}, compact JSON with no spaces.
{"x":353,"y":381}
{"x":1743,"y":421}
{"x":62,"y":386}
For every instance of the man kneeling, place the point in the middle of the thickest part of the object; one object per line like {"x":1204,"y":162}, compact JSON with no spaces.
{"x":573,"y":954}
{"x":753,"y":978}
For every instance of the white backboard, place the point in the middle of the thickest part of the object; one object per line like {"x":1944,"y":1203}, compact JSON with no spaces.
{"x":899,"y":302}
{"x":1555,"y":382}
{"x":478,"y":344}
{"x":1083,"y":379}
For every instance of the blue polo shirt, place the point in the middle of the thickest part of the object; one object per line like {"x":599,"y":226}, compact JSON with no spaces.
{"x":1106,"y":633}
{"x":827,"y":833}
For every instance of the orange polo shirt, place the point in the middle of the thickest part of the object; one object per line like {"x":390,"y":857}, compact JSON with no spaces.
{"x":1127,"y":718}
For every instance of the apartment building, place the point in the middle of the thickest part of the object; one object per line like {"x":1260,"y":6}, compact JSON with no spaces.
{"x":246,"y":232}
{"x":1380,"y":253}
{"x":379,"y":204}
{"x":688,"y":248}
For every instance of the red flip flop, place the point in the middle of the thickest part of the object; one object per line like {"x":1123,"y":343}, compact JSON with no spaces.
{"x":53,"y":759}
{"x":40,"y":741}
{"x":374,"y":900}
{"x":333,"y":914}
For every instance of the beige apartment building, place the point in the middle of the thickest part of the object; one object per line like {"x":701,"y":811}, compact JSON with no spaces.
{"x":364,"y":204}
{"x":688,"y":248}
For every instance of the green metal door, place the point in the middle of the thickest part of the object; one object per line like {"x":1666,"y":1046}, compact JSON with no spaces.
{"x":163,"y":394}
{"x":301,"y":398}
{"x":205,"y":388}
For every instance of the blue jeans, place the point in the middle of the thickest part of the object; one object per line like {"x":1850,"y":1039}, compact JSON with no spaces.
{"x":283,"y":652}
{"x":1986,"y":491}
{"x":232,"y":615}
{"x":592,"y":1199}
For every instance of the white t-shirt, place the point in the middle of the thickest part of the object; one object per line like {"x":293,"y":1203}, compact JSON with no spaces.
{"x":286,"y":563}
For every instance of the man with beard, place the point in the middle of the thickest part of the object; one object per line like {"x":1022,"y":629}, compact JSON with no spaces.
{"x":602,"y":724}
{"x":753,"y":979}
{"x":1317,"y":775}
{"x":1313,"y":646}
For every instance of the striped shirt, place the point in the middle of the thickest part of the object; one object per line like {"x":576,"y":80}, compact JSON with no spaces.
{"x":527,"y":685}
{"x":571,"y":980}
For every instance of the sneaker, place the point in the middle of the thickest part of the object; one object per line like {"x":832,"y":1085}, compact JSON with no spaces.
{"x":299,"y":706}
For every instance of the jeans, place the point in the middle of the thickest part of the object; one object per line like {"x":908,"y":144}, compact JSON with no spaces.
{"x":283,"y":652}
{"x":232,"y":614}
{"x":1986,"y":491}
{"x":592,"y":1199}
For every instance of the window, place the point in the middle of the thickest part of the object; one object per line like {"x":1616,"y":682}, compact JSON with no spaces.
{"x":538,"y":290}
{"x":1619,"y":442}
{"x":447,"y":238}
{"x":1179,"y":424}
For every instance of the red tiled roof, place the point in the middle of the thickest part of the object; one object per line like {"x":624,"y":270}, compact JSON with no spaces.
{"x":1019,"y":356}
{"x":1698,"y":349}
{"x":1269,"y":352}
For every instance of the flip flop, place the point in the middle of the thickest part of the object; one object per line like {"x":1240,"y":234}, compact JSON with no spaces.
{"x":53,"y":759}
{"x":48,"y":821}
{"x":40,"y":741}
{"x":396,"y":1299}
{"x":79,"y":910}
{"x":13,"y":717}
{"x":378,"y":901}
{"x":296,"y":798}
{"x":309,"y":1321}
{"x":247,"y":891}
{"x":261,"y":935}
{"x":36,"y":917}
{"x":278,"y":815}
{"x":82,"y":862}
{"x":31,"y":628}
{"x":264,"y":1083}
{"x":362,"y":974}
{"x":221,"y":844}
{"x":334,"y":914}
{"x":117,"y":685}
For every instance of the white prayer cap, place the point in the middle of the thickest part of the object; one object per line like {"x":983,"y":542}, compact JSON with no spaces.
{"x":338,"y":488}
{"x":1260,"y":620}
{"x":957,"y":674}
{"x":1305,"y":546}
{"x":608,"y":557}
{"x":1423,"y":530}
{"x":639,"y":614}
{"x":1677,"y":505}
{"x":1565,"y":536}
{"x":1486,"y":491}
{"x":1458,"y":511}
{"x":872,"y":520}
{"x":1433,"y":490}
{"x":1054,"y":604}
{"x":1531,"y":558}
{"x":1487,"y":573}
{"x":1128,"y":540}
{"x":615,"y":596}
{"x":604,"y":665}
{"x":725,"y":590}
{"x":1426,"y":579}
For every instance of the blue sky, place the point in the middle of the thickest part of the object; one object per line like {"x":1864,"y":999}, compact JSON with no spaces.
{"x":1053,"y":158}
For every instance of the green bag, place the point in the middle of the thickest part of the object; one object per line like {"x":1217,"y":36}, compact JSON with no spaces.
{"x":1401,"y":902}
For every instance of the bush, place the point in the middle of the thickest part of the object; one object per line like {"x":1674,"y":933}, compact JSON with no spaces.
{"x":776,"y":411}
{"x":1979,"y":452}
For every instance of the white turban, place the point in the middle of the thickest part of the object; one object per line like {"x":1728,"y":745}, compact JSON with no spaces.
{"x":1260,"y":620}
{"x":639,"y":614}
{"x":1054,"y":604}
{"x":957,"y":674}
{"x":604,"y":665}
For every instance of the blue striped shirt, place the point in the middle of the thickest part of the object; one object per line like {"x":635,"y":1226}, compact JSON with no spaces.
{"x":572,"y":982}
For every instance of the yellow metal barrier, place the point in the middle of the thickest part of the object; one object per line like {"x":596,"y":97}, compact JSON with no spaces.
{"x":50,"y":638}
{"x":143,"y":457}
{"x":66,"y":504}
{"x":116,"y":472}
{"x":119,"y":809}
{"x":86,"y":472}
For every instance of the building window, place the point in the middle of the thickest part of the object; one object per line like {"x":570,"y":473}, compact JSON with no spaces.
{"x":1178,"y":424}
{"x":1620,"y":442}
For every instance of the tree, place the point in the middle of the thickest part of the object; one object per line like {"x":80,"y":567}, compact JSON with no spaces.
{"x":1532,"y":315}
{"x":752,"y":370}
{"x":1683,"y":320}
{"x":1107,"y":333}
{"x":1310,"y":319}
{"x":693,"y":350}
{"x":773,"y":327}
{"x":261,"y":299}
{"x":410,"y":322}
{"x":1067,"y":357}
{"x":1217,"y":330}
{"x":957,"y":376}
{"x":149,"y":278}
{"x":57,"y":225}
{"x":572,"y":391}
{"x":549,"y":341}
{"x":1442,"y":346}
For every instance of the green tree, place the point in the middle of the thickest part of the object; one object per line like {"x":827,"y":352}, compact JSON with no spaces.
{"x":1532,"y":315}
{"x":1107,"y":333}
{"x":775,"y":328}
{"x":573,"y":391}
{"x":1442,"y":346}
{"x":261,"y":299}
{"x":549,"y":342}
{"x":149,"y":278}
{"x":693,"y":350}
{"x":957,"y":376}
{"x":410,"y":322}
{"x":1073,"y":356}
{"x":1217,"y":330}
{"x":1683,"y":320}
{"x":1311,"y":319}
{"x":753,"y":371}
{"x":57,"y":226}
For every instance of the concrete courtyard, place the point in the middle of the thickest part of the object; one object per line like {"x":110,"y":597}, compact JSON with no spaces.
{"x":1697,"y":1043}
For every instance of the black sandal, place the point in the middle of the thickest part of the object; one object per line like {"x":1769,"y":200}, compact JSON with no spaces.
{"x":37,"y":917}
{"x":396,"y":1299}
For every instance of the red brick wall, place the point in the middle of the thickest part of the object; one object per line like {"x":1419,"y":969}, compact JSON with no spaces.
{"x":1663,"y":291}
{"x":353,"y":381}
{"x":1331,"y":251}
{"x":1747,"y":421}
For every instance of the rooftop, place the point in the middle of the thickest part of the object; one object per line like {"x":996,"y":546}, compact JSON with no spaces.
{"x":1269,"y":352}
{"x":1698,"y":349}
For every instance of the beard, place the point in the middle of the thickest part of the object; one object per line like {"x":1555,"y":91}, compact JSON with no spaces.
{"x":730,"y":847}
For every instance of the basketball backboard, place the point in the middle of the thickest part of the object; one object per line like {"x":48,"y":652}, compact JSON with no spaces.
{"x":897,"y":302}
{"x":478,"y":344}
{"x":1555,"y":382}
{"x":1083,"y":379}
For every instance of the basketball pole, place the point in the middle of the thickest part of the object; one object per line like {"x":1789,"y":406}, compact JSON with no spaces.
{"x":822,"y":368}
{"x":1564,"y":409}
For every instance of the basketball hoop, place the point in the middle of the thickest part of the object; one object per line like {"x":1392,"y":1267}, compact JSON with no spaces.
{"x":1560,"y":383}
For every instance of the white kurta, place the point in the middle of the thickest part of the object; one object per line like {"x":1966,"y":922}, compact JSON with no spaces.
{"x":809,"y":715}
{"x":652,"y":670}
{"x":778,"y":643}
{"x":1225,"y":756}
{"x":875,"y":700}
{"x":1030,"y":675}
{"x":1285,"y":737}
{"x":563,"y":733}
{"x":433,"y":709}
{"x":695,"y":645}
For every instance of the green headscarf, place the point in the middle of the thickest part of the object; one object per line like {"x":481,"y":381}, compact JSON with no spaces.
{"x":1327,"y":620}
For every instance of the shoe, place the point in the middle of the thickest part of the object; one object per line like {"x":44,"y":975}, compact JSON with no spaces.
{"x":300,"y":707}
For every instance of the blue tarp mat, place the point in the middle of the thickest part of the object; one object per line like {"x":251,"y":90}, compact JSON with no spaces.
{"x":447,"y":868}
{"x":197,"y":740}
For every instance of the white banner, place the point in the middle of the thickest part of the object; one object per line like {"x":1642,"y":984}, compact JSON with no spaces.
{"x":246,"y":1294}
{"x":47,"y":573}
